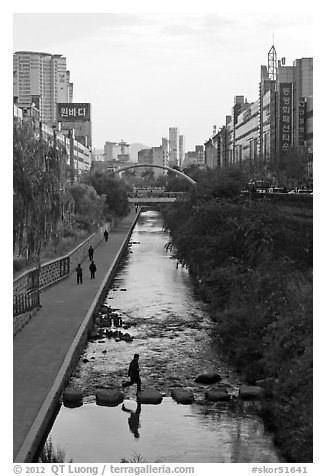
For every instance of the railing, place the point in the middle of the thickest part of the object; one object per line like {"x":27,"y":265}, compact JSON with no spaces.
{"x":26,"y":302}
{"x":35,"y":280}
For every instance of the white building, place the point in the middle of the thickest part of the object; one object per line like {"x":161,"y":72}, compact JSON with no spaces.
{"x":42,"y":79}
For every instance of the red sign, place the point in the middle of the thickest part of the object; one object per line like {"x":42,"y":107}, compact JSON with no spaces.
{"x":286,"y":110}
{"x":72,"y":112}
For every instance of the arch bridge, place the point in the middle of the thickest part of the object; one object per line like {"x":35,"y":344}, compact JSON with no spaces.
{"x":164,"y":167}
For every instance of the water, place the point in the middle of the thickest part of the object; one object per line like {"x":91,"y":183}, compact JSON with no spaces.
{"x":176,"y":341}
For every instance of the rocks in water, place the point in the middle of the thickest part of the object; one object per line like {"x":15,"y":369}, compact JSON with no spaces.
{"x":218,"y":394}
{"x":251,"y":392}
{"x":72,"y":398}
{"x":126,"y":337}
{"x":104,"y":309}
{"x":94,"y":335}
{"x":182,"y":395}
{"x":150,"y":396}
{"x":208,"y":378}
{"x":109,"y":398}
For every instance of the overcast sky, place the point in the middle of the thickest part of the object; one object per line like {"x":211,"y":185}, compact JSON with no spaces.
{"x":146,"y":72}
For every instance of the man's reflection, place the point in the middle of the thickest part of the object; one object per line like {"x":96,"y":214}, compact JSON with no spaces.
{"x":133,"y":420}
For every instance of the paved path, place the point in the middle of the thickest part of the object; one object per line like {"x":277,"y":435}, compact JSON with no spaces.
{"x":40,"y":348}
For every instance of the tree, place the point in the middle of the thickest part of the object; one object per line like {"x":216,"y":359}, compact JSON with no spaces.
{"x":39,"y":183}
{"x":294,"y":166}
{"x":88,"y":207}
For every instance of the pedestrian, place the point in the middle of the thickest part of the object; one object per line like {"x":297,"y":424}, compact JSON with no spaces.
{"x":106,"y":235}
{"x":92,"y":268}
{"x":91,"y":253}
{"x":133,"y":374}
{"x":79,"y":271}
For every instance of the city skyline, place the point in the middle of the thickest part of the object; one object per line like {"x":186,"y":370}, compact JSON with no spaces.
{"x":154,"y":71}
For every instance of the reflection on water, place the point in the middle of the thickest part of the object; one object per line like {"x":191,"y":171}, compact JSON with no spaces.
{"x":176,"y":341}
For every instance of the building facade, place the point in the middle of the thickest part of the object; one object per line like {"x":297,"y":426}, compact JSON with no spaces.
{"x":77,"y":154}
{"x":281,"y":118}
{"x":174,"y":157}
{"x":159,"y":158}
{"x":41,"y":79}
{"x":181,"y":150}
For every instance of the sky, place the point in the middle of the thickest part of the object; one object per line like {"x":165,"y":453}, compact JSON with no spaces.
{"x":145,"y":72}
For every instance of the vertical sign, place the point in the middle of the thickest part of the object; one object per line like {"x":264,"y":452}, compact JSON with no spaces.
{"x":301,"y":115}
{"x":286,"y":107}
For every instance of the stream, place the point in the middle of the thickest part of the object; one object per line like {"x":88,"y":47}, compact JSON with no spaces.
{"x":176,"y":340}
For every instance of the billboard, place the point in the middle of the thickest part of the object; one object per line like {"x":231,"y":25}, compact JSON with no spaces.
{"x":286,"y":111}
{"x":73,"y":111}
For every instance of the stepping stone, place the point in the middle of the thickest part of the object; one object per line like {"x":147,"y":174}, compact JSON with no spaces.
{"x":109,"y":398}
{"x":72,"y":398}
{"x":150,"y":396}
{"x":217,"y":395}
{"x":208,"y":378}
{"x":251,"y":392}
{"x":181,"y":395}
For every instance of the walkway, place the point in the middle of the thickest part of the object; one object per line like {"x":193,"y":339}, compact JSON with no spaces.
{"x":40,"y":348}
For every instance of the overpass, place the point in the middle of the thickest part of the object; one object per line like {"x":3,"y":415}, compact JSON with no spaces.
{"x":149,"y":200}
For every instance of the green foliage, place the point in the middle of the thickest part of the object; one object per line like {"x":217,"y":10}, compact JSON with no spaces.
{"x":251,"y":261}
{"x":88,"y":207}
{"x":115,"y":191}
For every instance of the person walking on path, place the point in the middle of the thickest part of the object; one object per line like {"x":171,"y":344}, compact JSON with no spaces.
{"x":92,"y":268}
{"x":106,"y":235}
{"x":79,"y":271}
{"x":133,"y":374}
{"x":91,"y":253}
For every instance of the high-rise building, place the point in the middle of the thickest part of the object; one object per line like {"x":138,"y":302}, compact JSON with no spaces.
{"x":41,"y":79}
{"x":174,"y":158}
{"x":181,"y":149}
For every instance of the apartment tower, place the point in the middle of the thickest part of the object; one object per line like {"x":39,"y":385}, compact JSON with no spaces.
{"x":41,"y":79}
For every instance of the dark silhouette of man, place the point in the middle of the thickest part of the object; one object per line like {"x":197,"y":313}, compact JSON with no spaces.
{"x":91,"y":253}
{"x":79,"y":271}
{"x":106,"y":235}
{"x":133,"y":374}
{"x":133,"y":420}
{"x":92,"y":268}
